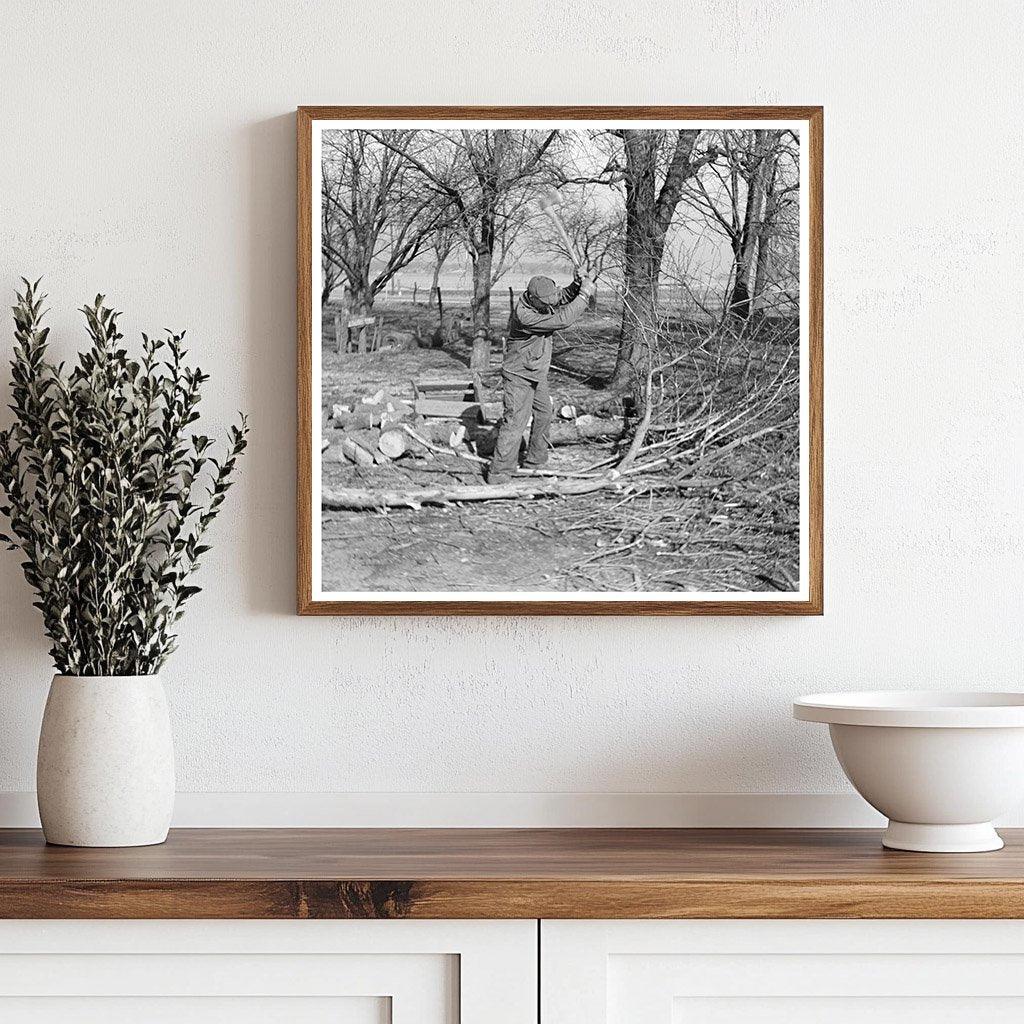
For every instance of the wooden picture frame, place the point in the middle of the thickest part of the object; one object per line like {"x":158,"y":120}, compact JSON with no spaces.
{"x":806,"y":599}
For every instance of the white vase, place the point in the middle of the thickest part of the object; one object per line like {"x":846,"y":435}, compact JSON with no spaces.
{"x":105,"y":771}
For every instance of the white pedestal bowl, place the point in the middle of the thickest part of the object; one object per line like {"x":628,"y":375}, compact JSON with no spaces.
{"x":940,"y":766}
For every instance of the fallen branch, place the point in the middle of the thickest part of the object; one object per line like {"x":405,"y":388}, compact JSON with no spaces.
{"x":359,"y":498}
{"x":564,"y":474}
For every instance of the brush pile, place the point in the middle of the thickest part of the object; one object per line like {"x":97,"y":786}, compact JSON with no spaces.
{"x":707,"y":491}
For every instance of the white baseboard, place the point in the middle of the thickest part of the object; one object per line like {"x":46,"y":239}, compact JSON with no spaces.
{"x":503,"y":810}
{"x":494,"y":810}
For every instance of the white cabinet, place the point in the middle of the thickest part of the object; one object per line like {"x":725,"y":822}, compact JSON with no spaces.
{"x":486,"y":972}
{"x":782,"y":972}
{"x":258,"y":972}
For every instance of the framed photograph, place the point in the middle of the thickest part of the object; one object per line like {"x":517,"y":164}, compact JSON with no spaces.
{"x":560,"y":360}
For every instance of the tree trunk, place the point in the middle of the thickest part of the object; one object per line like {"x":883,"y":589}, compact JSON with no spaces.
{"x":642,"y":259}
{"x":745,"y":246}
{"x":481,"y":305}
{"x":639,"y":320}
{"x":763,"y":269}
{"x":739,"y":295}
{"x":329,"y":280}
{"x":649,"y":214}
{"x":480,"y":355}
{"x":360,"y":297}
{"x":483,"y":252}
{"x":432,"y":297}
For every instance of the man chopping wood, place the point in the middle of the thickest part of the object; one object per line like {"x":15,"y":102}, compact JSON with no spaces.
{"x":542,"y":310}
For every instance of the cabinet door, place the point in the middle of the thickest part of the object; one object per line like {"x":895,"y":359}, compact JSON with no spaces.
{"x":258,"y":972}
{"x":782,"y":972}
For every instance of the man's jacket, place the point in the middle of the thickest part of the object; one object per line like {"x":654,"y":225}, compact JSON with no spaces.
{"x":528,"y":353}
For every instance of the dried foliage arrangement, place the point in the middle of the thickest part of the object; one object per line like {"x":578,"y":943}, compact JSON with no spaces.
{"x":109,"y":495}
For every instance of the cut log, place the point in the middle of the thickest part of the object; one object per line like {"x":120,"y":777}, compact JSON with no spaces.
{"x":561,"y":433}
{"x":431,"y":447}
{"x":362,"y":420}
{"x":394,"y":412}
{"x":355,"y":452}
{"x":359,"y":498}
{"x":333,"y":454}
{"x":585,"y":428}
{"x":392,"y":443}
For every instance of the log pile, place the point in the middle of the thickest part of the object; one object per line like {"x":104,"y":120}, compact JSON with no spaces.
{"x":381,"y":428}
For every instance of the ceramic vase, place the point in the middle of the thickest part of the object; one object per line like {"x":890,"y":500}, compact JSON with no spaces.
{"x":105,"y":771}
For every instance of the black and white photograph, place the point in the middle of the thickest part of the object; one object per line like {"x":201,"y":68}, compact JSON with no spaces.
{"x":560,"y":360}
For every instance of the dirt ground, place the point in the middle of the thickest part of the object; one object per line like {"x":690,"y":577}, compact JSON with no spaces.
{"x":564,"y":544}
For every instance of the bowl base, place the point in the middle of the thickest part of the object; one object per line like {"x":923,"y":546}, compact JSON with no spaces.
{"x":979,"y":838}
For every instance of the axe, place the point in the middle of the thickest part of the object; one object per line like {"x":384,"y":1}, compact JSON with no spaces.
{"x":550,"y":202}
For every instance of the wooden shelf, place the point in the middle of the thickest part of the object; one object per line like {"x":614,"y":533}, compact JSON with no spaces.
{"x":508,"y":873}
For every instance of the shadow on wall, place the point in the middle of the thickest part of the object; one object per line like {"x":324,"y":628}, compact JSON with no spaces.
{"x":269,"y":319}
{"x":21,"y":625}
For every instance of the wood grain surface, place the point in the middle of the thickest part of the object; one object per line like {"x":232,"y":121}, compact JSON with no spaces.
{"x":508,"y":873}
{"x":308,"y":400}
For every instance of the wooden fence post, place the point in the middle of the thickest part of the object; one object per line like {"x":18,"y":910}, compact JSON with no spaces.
{"x":415,"y":288}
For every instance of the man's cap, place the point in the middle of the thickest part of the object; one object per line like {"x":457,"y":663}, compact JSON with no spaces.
{"x":543,"y":289}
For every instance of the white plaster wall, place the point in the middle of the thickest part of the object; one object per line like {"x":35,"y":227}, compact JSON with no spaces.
{"x":148,"y":152}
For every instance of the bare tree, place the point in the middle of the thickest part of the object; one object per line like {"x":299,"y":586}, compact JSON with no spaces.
{"x":779,"y":239}
{"x":486,"y":176}
{"x":442,"y":243}
{"x":744,"y":196}
{"x":331,"y":274}
{"x":652,"y":166}
{"x":650,"y":207}
{"x":374,"y":221}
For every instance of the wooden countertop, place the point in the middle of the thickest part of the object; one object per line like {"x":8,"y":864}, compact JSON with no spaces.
{"x":508,"y":873}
